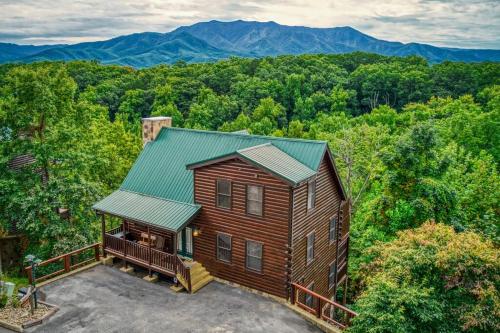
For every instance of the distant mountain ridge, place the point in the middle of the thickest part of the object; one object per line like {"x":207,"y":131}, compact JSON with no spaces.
{"x":214,"y":40}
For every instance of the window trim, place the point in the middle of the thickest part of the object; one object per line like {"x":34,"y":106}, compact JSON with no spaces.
{"x":334,"y":238}
{"x":330,"y":286}
{"x":262,"y":202}
{"x":309,"y":261}
{"x":217,"y":193}
{"x":313,"y":207}
{"x":261,"y":256}
{"x":217,"y":234}
{"x":310,"y":287}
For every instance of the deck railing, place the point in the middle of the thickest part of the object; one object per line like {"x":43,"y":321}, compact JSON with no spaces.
{"x":150,"y":258}
{"x":65,"y":263}
{"x":323,"y":308}
{"x":184,"y":271}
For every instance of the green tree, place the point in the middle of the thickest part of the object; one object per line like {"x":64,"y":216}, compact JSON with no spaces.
{"x":431,"y":279}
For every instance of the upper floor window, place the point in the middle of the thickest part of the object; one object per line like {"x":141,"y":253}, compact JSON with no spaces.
{"x":331,"y":275}
{"x":223,"y":193}
{"x":310,"y":247}
{"x":224,"y":249}
{"x":332,"y":229}
{"x":254,"y":256}
{"x":255,"y":199}
{"x":311,"y":194}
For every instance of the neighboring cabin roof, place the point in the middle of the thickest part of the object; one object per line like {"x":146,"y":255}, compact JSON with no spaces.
{"x":270,"y":158}
{"x":160,"y":170}
{"x":166,"y":214}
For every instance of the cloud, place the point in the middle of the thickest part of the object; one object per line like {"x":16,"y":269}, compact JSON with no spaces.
{"x":454,"y":23}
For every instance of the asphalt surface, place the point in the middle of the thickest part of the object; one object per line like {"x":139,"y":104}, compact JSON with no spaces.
{"x":104,"y":299}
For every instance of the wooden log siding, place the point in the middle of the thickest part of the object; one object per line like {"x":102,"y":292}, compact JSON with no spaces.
{"x":271,"y":229}
{"x":327,"y":206}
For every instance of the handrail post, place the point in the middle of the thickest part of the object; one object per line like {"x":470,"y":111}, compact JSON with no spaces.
{"x":292,"y":298}
{"x":67,"y":263}
{"x":318,"y":308}
{"x":188,"y":276}
{"x":30,"y":275}
{"x":96,"y":251}
{"x":103,"y":226}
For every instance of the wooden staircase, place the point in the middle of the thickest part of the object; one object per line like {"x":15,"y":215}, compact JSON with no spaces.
{"x":199,"y":276}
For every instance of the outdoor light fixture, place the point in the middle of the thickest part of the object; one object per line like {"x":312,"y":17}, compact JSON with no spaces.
{"x":196,"y":231}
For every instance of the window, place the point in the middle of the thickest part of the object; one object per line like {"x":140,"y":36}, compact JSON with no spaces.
{"x":309,"y":299}
{"x":331,"y":275}
{"x":310,"y":247}
{"x":223,"y":193}
{"x":332,"y":229}
{"x":311,"y":194}
{"x":254,"y":199}
{"x":254,"y":256}
{"x":224,"y":247}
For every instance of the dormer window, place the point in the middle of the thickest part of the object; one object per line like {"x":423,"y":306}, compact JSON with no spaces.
{"x":311,"y":194}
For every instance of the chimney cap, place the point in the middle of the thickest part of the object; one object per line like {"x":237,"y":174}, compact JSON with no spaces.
{"x":156,"y":118}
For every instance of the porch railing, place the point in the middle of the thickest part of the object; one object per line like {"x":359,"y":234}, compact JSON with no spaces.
{"x":151,"y":258}
{"x":323,"y":308}
{"x":65,"y":263}
{"x":184,"y":271}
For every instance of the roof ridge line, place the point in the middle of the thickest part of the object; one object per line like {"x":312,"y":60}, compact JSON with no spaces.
{"x":156,"y":197}
{"x":255,"y":147}
{"x":278,"y":138}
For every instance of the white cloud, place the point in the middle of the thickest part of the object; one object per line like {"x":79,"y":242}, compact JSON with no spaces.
{"x":455,"y":23}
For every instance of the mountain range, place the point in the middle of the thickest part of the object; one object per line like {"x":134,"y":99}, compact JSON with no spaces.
{"x":214,"y":40}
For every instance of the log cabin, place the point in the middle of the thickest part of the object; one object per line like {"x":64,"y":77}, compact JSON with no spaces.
{"x":262,"y":212}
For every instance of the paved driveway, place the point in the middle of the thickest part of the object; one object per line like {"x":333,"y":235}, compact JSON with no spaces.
{"x":103,"y":299}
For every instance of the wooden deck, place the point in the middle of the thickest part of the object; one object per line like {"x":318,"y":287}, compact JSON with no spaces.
{"x":158,"y":261}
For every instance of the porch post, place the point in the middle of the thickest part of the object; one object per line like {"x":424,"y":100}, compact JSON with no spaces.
{"x":124,"y":244}
{"x":149,"y":245}
{"x":103,"y":226}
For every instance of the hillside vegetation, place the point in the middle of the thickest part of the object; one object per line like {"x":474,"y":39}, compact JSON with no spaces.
{"x":215,"y":40}
{"x":417,"y":146}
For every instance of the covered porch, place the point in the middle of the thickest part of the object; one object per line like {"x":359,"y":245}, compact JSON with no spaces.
{"x":154,"y":233}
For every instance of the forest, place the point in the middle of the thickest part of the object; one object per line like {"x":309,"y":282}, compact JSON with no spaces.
{"x":417,"y":146}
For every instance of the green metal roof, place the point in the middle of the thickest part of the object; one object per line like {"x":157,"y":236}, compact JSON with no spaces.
{"x":270,"y":158}
{"x":160,"y":170}
{"x":278,"y":162}
{"x":163,"y":213}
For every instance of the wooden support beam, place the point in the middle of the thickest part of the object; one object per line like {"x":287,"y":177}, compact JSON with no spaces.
{"x":150,"y":252}
{"x":103,"y":227}
{"x":124,"y":245}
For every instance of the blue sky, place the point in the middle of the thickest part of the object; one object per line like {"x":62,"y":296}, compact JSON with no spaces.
{"x":454,"y":23}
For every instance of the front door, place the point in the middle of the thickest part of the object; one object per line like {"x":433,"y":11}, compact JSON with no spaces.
{"x":185,"y":242}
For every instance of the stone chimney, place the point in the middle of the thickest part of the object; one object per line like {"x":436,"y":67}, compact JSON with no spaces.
{"x":152,"y":126}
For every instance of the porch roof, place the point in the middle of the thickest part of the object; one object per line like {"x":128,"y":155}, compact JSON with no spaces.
{"x":163,"y":213}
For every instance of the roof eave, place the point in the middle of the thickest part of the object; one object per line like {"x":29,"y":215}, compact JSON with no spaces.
{"x":99,"y":211}
{"x":337,"y":175}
